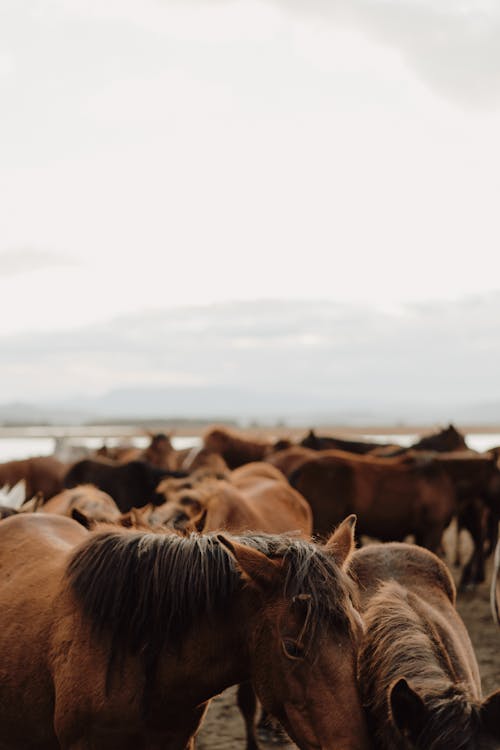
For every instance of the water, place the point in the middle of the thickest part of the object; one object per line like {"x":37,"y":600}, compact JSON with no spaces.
{"x":12,"y":448}
{"x":477,"y":441}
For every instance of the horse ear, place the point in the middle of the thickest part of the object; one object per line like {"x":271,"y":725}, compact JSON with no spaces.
{"x":82,"y":519}
{"x":490,"y":711}
{"x":342,"y":542}
{"x":407,"y":709}
{"x":255,"y":566}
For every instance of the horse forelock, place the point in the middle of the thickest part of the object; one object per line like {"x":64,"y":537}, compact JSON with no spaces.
{"x":399,"y":643}
{"x":312,"y":571}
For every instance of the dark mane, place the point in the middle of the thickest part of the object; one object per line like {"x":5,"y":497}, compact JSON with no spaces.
{"x":402,"y":644}
{"x":146,"y":591}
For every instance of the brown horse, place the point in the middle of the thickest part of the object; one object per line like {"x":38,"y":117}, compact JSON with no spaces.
{"x":256,"y":498}
{"x":201,"y":458}
{"x":234,"y":448}
{"x":417,"y":670}
{"x":160,"y":452}
{"x":84,"y":500}
{"x":289,"y":459}
{"x":42,"y":474}
{"x":118,"y":640}
{"x":392,"y":498}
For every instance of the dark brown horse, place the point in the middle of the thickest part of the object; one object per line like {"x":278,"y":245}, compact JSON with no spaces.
{"x":118,"y":640}
{"x":130,"y":485}
{"x":417,"y":669}
{"x":445,"y":440}
{"x":476,"y":479}
{"x":42,"y":474}
{"x":322,"y":443}
{"x":392,"y":498}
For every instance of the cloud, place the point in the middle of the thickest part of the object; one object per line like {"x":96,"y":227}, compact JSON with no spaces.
{"x":453,"y":46}
{"x":14,"y":262}
{"x":294,"y":357}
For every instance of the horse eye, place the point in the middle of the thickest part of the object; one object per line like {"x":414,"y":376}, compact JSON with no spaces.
{"x":292,"y":649}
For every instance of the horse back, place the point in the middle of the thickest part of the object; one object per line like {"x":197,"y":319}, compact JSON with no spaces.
{"x":412,"y":566}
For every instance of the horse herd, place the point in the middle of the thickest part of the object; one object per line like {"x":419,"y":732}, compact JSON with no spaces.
{"x":136,"y":586}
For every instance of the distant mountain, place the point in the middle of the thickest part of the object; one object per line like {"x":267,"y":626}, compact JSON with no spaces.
{"x":226,"y":403}
{"x":29,"y":414}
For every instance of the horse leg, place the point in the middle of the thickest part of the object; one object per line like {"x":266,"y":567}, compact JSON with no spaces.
{"x":474,"y":521}
{"x":247,"y":703}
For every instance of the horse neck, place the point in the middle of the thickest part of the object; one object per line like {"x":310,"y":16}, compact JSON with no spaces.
{"x":215,"y":654}
{"x":402,"y":642}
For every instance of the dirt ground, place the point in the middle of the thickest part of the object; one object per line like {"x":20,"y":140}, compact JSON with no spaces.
{"x":223,"y":728}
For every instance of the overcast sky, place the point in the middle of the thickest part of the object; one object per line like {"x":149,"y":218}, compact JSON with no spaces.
{"x":159,"y":154}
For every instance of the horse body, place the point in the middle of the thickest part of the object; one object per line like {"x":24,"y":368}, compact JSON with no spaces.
{"x":130,"y":485}
{"x":289,"y":459}
{"x":417,"y":669}
{"x":235,"y":449}
{"x":42,"y":474}
{"x":86,"y":499}
{"x":88,"y":662}
{"x":392,"y":498}
{"x":321,"y":443}
{"x":256,"y":497}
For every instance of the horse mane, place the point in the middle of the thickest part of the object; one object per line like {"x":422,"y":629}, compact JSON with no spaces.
{"x":145,"y":591}
{"x":401,"y":643}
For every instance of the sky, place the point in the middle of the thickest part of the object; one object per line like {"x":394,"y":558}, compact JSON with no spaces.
{"x":163,"y":160}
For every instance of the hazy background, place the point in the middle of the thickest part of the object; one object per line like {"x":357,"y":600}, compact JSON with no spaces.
{"x":273,"y":210}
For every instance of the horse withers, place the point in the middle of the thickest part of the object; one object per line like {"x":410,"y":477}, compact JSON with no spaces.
{"x":417,"y":670}
{"x":118,"y":640}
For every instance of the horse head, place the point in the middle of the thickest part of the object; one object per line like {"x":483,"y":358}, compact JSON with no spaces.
{"x":303,"y":644}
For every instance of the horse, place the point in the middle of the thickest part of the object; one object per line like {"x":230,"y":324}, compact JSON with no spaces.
{"x":139,"y":631}
{"x":160,"y":452}
{"x":321,"y":443}
{"x":289,"y":459}
{"x":201,"y":458}
{"x":83,"y":500}
{"x":130,"y":485}
{"x":235,"y":449}
{"x":476,"y":479}
{"x":256,"y":497}
{"x":443,"y":441}
{"x":42,"y":474}
{"x":392,"y":498}
{"x":417,"y":670}
{"x":446,"y":440}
